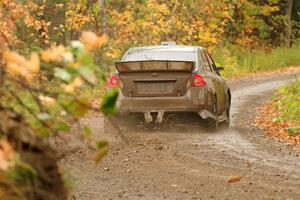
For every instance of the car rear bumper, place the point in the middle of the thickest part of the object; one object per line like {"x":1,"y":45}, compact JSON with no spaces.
{"x":192,"y":101}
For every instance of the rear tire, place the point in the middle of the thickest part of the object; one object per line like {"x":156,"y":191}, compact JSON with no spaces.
{"x":226,"y":123}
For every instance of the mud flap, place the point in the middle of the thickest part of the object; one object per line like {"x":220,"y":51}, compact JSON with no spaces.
{"x":204,"y":114}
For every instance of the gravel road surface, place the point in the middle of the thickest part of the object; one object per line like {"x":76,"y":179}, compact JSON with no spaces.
{"x":183,"y":160}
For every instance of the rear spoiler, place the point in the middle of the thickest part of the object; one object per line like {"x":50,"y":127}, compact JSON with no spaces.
{"x":155,"y":65}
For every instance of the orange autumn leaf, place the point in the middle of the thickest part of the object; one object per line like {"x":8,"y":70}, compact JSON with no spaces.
{"x":13,"y":57}
{"x":54,"y":54}
{"x":91,"y":41}
{"x":234,"y":179}
{"x":33,"y":65}
{"x":19,"y":66}
{"x":7,"y":154}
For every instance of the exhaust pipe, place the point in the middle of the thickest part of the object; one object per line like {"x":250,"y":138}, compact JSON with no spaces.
{"x":160,"y":116}
{"x":149,"y":118}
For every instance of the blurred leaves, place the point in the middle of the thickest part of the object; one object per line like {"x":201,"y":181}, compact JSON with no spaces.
{"x":76,"y":108}
{"x":22,"y":172}
{"x":55,"y":101}
{"x":49,"y":89}
{"x":88,"y":75}
{"x":109,"y":101}
{"x":61,"y":126}
{"x":102,"y":148}
{"x":91,"y":41}
{"x":87,"y":132}
{"x":101,"y":144}
{"x":7,"y":154}
{"x":62,"y":74}
{"x":43,"y":116}
{"x":100,"y":154}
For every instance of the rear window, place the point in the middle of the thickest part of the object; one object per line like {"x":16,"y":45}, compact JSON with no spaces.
{"x":138,"y":66}
{"x":161,"y":55}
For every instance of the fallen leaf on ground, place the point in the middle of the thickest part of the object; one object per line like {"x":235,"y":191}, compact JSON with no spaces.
{"x":234,"y":179}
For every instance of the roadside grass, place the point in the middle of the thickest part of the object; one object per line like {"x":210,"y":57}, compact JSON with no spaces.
{"x":287,"y":101}
{"x":242,"y":62}
{"x":280,"y":118}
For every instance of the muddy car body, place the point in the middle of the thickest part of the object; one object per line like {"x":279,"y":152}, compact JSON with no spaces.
{"x":171,"y":78}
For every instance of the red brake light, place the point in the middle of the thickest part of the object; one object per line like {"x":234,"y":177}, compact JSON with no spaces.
{"x":113,"y":81}
{"x":198,"y":80}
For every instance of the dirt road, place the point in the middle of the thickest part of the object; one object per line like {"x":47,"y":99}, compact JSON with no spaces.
{"x":181,"y":160}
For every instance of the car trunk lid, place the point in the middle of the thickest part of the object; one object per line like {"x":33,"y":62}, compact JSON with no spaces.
{"x":154,"y":78}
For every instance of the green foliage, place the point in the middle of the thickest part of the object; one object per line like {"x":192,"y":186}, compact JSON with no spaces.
{"x":109,"y":100}
{"x":75,"y":107}
{"x":277,"y":58}
{"x":22,"y":173}
{"x":17,"y":180}
{"x":294,"y":131}
{"x":61,"y":126}
{"x":51,"y":105}
{"x":101,"y":144}
{"x":102,"y":147}
{"x":63,"y":75}
{"x":237,"y":62}
{"x":224,"y":57}
{"x":87,"y":132}
{"x":288,"y":101}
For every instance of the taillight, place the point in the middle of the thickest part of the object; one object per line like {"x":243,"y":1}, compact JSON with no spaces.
{"x":113,"y":81}
{"x":198,"y":80}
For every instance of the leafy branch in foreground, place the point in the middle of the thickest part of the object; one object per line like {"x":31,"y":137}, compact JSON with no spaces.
{"x":50,"y":82}
{"x":45,"y":90}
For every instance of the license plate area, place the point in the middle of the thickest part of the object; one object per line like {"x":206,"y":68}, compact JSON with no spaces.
{"x":155,"y":88}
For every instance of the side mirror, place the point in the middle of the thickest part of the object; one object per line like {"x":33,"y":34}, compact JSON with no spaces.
{"x":220,"y":68}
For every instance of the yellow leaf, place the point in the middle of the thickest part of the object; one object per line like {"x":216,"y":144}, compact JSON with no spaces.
{"x":54,"y":54}
{"x":91,"y":41}
{"x":68,"y":88}
{"x":7,"y":155}
{"x":14,"y":69}
{"x":77,"y":82}
{"x":48,"y":101}
{"x":33,"y":65}
{"x":13,"y":57}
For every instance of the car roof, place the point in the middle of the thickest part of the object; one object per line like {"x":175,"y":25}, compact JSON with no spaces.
{"x":164,"y":48}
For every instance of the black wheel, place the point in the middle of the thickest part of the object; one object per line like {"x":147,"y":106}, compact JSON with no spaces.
{"x":226,"y":123}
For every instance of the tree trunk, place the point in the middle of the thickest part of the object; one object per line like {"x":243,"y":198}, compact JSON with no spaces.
{"x":288,"y":14}
{"x":103,"y":16}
